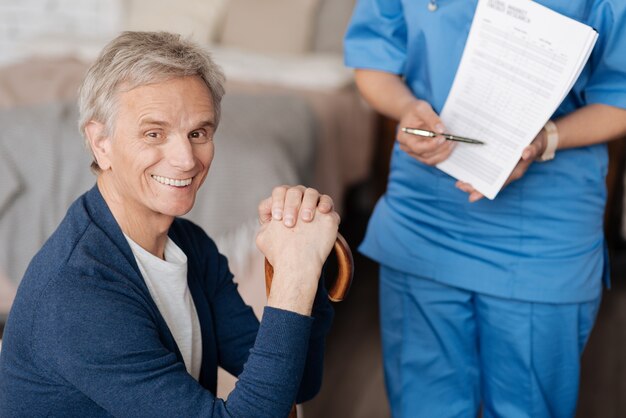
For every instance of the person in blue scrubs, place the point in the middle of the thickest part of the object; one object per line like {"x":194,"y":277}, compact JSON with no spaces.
{"x":486,"y":304}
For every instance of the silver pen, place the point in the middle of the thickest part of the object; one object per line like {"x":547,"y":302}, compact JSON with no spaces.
{"x":449,"y":137}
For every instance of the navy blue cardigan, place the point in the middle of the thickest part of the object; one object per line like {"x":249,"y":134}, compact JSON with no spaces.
{"x":85,"y":338}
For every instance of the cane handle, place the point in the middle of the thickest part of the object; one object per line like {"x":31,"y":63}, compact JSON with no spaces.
{"x":345,"y":270}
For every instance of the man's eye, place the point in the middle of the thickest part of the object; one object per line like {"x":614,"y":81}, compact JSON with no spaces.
{"x":154,"y":135}
{"x":199,"y":136}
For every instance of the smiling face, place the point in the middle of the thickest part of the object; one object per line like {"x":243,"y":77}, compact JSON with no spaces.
{"x":159,"y":151}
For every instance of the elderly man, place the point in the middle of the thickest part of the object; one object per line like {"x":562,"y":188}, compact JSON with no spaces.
{"x":128,"y":310}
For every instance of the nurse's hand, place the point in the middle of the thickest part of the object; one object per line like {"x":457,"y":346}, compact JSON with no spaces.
{"x":420,"y":114}
{"x":290,"y":203}
{"x":529,"y":155}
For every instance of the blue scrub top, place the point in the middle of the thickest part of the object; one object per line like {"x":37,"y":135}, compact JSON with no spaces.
{"x":542,"y":238}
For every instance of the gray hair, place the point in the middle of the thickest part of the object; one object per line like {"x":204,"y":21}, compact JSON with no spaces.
{"x":135,"y":59}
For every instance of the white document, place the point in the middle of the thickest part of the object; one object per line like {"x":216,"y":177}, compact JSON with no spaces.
{"x":520,"y":61}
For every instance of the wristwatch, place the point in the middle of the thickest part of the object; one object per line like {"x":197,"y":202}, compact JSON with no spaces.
{"x":552,"y":140}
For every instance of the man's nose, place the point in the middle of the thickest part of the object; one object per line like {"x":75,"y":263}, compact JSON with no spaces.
{"x":180,"y":153}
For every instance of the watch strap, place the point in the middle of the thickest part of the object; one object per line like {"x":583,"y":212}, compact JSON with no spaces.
{"x":552,"y":141}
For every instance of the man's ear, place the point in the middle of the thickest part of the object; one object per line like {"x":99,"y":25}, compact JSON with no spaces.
{"x":100,"y":143}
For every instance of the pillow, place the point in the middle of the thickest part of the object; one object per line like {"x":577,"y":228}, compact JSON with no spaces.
{"x":331,"y":24}
{"x":309,"y":71}
{"x":198,"y":19}
{"x":283,"y":26}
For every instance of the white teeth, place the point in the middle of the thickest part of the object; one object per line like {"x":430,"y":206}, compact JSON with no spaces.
{"x":172,"y":182}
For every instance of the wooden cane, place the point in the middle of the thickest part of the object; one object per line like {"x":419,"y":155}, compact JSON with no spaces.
{"x":338,"y":290}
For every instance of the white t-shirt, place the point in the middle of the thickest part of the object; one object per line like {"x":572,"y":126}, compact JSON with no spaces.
{"x":167,"y":283}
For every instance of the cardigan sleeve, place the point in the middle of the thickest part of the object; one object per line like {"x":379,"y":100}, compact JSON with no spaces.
{"x":322,"y":314}
{"x":236,"y":326}
{"x":100,"y":338}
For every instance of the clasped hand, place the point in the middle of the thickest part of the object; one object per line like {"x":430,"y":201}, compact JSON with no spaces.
{"x":298,"y":230}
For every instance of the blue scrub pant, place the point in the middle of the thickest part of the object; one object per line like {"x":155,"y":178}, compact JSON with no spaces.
{"x":449,"y":352}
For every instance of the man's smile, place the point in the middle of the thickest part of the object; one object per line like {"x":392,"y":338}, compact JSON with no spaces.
{"x":172,"y":182}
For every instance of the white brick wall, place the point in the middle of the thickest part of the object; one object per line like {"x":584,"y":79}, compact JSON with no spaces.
{"x":25,"y":22}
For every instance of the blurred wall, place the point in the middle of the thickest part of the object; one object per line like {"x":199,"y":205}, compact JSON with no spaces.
{"x":27,"y":24}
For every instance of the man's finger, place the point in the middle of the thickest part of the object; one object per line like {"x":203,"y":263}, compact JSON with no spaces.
{"x":326,"y":204}
{"x":265,"y":210}
{"x":309,"y":204}
{"x":278,"y":201}
{"x":293,"y":200}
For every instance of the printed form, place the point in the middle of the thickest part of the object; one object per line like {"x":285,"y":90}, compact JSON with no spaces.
{"x":520,"y":61}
